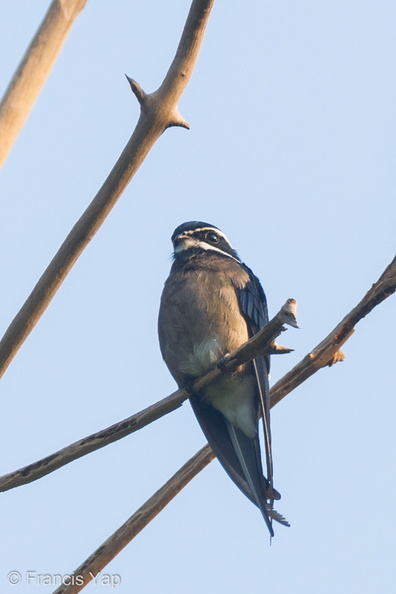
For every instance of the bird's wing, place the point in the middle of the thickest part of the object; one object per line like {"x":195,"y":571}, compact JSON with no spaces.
{"x":253,"y":304}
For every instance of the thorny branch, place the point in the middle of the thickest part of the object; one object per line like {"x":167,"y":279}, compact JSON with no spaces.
{"x":159,"y":111}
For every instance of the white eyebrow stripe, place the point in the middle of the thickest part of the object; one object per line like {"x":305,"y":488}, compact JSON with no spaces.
{"x":191,"y":242}
{"x":217,"y":231}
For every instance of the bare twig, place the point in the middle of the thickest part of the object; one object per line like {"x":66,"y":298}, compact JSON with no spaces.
{"x":158,"y":112}
{"x":34,"y":69}
{"x":261,"y":343}
{"x":327,"y":352}
{"x":121,"y":537}
{"x":319,"y":357}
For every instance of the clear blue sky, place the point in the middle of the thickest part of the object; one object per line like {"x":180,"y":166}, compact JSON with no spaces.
{"x":292,"y":154}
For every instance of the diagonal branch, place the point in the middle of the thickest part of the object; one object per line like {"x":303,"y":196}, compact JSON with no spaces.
{"x":121,"y":537}
{"x":261,"y":343}
{"x":324,"y":354}
{"x":34,"y":69}
{"x":158,"y":112}
{"x":327,"y":352}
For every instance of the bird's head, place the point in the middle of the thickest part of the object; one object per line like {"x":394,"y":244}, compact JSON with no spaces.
{"x":198,"y":237}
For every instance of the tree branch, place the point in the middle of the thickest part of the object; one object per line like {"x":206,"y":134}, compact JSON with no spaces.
{"x":327,"y":352}
{"x":121,"y":537}
{"x":319,"y":357}
{"x":261,"y":343}
{"x":158,"y":112}
{"x":34,"y":69}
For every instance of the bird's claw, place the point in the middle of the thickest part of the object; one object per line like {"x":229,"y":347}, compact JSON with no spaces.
{"x":221,"y":364}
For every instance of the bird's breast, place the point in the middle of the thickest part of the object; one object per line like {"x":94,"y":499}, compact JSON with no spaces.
{"x":200,"y":321}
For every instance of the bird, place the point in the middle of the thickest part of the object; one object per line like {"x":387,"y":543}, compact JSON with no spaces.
{"x":210,"y":305}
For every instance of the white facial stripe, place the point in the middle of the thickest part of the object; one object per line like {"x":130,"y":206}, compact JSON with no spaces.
{"x":217,"y":231}
{"x":192,"y":242}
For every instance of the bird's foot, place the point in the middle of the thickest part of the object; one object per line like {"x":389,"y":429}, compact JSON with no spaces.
{"x":221,"y":364}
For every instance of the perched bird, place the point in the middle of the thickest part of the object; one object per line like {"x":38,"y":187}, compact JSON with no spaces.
{"x":211,"y":304}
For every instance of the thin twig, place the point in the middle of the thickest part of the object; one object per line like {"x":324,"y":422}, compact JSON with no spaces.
{"x":121,"y":537}
{"x":327,"y":352}
{"x":319,"y":357}
{"x":158,"y":112}
{"x":34,"y":69}
{"x":261,"y":343}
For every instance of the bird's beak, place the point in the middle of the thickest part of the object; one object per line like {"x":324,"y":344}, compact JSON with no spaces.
{"x":179,"y":242}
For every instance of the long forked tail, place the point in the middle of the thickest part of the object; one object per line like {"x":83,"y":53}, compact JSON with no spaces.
{"x":215,"y":427}
{"x":247,"y":451}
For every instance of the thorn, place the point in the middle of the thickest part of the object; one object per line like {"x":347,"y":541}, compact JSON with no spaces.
{"x":178,"y":120}
{"x":137,"y":90}
{"x":277,"y":349}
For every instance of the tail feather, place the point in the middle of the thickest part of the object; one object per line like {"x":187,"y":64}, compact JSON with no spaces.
{"x":238,"y":466}
{"x":248,"y":455}
{"x":277,"y":517}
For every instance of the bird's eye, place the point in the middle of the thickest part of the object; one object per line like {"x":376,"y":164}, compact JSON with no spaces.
{"x":212,"y":237}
